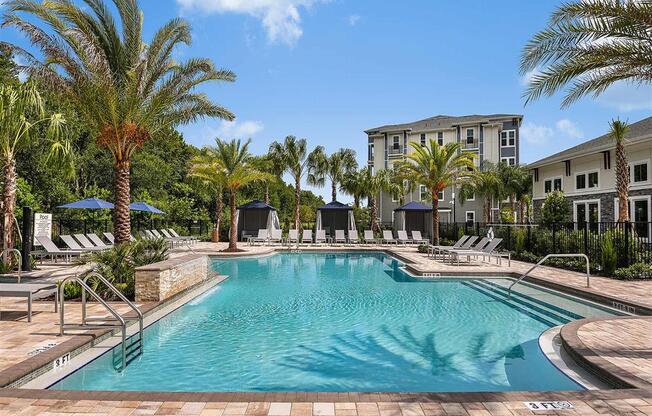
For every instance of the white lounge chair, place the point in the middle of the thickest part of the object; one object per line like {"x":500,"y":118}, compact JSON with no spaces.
{"x":434,"y":249}
{"x":51,"y":249}
{"x":353,"y":237}
{"x":276,"y":237}
{"x":416,"y":237}
{"x":486,"y":251}
{"x":306,"y":237}
{"x":388,"y":237}
{"x":85,"y":242}
{"x":192,"y":239}
{"x":403,"y":237}
{"x":465,"y":246}
{"x":74,"y":245}
{"x":369,"y":238}
{"x":98,"y":241}
{"x":320,"y":237}
{"x":261,"y":238}
{"x":111,"y":238}
{"x":293,"y":236}
{"x":339,"y":237}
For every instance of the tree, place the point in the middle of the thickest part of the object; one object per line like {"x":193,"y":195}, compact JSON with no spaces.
{"x":207,"y":169}
{"x":485,"y":184}
{"x":514,"y":181}
{"x":21,"y":111}
{"x":590,"y":44}
{"x":292,"y":157}
{"x":437,"y":168}
{"x":618,"y":131}
{"x":125,"y":89}
{"x":266,"y":164}
{"x":555,"y":208}
{"x":353,"y":184}
{"x":335,"y":168}
{"x":230,"y":164}
{"x":399,"y":187}
{"x":374,"y":184}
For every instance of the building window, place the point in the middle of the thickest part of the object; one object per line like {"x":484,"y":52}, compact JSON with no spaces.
{"x":508,"y":138}
{"x":440,"y":196}
{"x":469,"y":136}
{"x":511,"y":161}
{"x":593,"y":180}
{"x":396,"y":143}
{"x":423,"y":193}
{"x":580,"y":181}
{"x":547,"y":186}
{"x":440,"y":138}
{"x":422,"y":139}
{"x":470,"y":216}
{"x":640,"y":208}
{"x":586,"y":212}
{"x":371,"y":152}
{"x":472,"y":197}
{"x":640,"y":173}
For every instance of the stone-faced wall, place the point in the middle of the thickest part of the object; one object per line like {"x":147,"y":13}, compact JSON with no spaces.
{"x":158,"y":281}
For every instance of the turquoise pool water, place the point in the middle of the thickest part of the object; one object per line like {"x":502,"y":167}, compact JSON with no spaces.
{"x":342,"y":322}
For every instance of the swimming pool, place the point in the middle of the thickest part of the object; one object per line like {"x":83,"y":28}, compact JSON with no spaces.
{"x":345,"y":322}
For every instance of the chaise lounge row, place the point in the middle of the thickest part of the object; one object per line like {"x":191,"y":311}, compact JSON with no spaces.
{"x":276,"y":236}
{"x":464,"y":248}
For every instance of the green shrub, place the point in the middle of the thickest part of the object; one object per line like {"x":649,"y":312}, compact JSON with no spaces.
{"x":507,"y":216}
{"x":526,"y":256}
{"x":423,"y":248}
{"x":555,"y":208}
{"x":608,"y":255}
{"x":635,"y":271}
{"x":519,"y":240}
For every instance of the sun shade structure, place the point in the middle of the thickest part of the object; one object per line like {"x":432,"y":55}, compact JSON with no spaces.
{"x":144,"y":207}
{"x":89,"y":203}
{"x":335,"y":216}
{"x":256,"y":215}
{"x":414,"y":216}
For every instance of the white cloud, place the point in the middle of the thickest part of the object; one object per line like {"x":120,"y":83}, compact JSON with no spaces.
{"x":625,"y":97}
{"x":236,"y":130}
{"x":569,"y":128}
{"x":535,"y":134}
{"x":527,"y":77}
{"x":353,"y":19}
{"x":280,"y":18}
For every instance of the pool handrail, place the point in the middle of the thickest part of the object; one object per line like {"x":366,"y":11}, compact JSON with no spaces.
{"x":18,"y":254}
{"x":588,"y":269}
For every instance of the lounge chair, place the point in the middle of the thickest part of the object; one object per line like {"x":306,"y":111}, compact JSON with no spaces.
{"x":486,"y":251}
{"x":111,"y":238}
{"x":388,"y":237}
{"x":261,"y":238}
{"x":434,"y":249}
{"x":74,"y":245}
{"x":339,"y":237}
{"x":293,"y":236}
{"x":98,"y":241}
{"x":29,"y":290}
{"x":403,"y":237}
{"x":85,"y":242}
{"x":276,"y":237}
{"x":353,"y":237}
{"x":416,"y":237}
{"x":51,"y":249}
{"x":368,"y":237}
{"x":306,"y":237}
{"x":320,"y":237}
{"x":466,"y":245}
{"x":183,"y":237}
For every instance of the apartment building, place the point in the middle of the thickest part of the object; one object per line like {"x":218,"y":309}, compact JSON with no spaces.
{"x":493,"y":138}
{"x":586,"y":173}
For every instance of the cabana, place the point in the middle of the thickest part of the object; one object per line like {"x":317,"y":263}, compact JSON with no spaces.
{"x":414,"y":216}
{"x":254,"y":216}
{"x":335,"y":216}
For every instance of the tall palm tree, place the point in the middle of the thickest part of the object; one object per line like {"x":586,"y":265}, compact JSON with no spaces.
{"x":485,"y":184}
{"x":21,"y":113}
{"x":437,"y":168}
{"x":374,"y":184}
{"x":591,"y":45}
{"x":399,"y":187}
{"x":512,"y":177}
{"x":207,"y":168}
{"x":335,"y":168}
{"x":266,"y":164}
{"x":618,"y":131}
{"x":233,"y":169}
{"x":523,"y":194}
{"x":124,"y":88}
{"x":353,"y":184}
{"x":292,"y":157}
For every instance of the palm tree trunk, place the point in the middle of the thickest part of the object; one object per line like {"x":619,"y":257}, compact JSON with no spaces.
{"x":233,"y":238}
{"x":9,"y":203}
{"x":521,"y":213}
{"x":334,"y":191}
{"x":121,"y":218}
{"x":219,"y":207}
{"x":356,"y":201}
{"x":297,"y":203}
{"x":266,"y":193}
{"x":373,"y":215}
{"x":487,"y":210}
{"x":512,"y":203}
{"x":622,"y":182}
{"x":435,"y":218}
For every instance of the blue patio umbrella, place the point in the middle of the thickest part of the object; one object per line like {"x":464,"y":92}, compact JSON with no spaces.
{"x":145,"y":207}
{"x":89,"y":203}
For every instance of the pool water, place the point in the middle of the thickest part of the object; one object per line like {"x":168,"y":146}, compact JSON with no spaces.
{"x":342,"y":322}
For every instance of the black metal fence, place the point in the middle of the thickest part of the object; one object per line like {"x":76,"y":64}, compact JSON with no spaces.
{"x":630,"y":240}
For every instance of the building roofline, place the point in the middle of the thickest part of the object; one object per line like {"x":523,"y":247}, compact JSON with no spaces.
{"x":452,"y":121}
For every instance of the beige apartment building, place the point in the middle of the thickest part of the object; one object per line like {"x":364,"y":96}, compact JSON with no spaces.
{"x":492,"y":138}
{"x":586,"y":174}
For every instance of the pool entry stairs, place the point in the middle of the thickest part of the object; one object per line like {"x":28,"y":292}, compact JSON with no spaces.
{"x":131,"y":347}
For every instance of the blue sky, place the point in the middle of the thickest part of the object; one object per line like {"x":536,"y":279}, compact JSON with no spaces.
{"x":327,"y":70}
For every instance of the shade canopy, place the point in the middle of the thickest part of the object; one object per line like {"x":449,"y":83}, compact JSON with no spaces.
{"x":144,"y":207}
{"x":414,"y":206}
{"x":89,"y":203}
{"x":256,"y":204}
{"x":253,"y":216}
{"x":335,"y":216}
{"x":414,"y":216}
{"x":335,"y":205}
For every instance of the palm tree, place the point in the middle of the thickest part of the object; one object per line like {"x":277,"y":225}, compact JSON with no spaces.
{"x":374,"y":184}
{"x":292,"y":156}
{"x":21,"y":112}
{"x":207,"y":169}
{"x":353,"y":184}
{"x":485,"y":184}
{"x":523,"y":194}
{"x":399,"y":187}
{"x":512,"y":177}
{"x":590,"y":44}
{"x":618,"y":131}
{"x":124,"y":88}
{"x":266,"y":164}
{"x":232,"y":167}
{"x":335,"y":168}
{"x":437,"y":168}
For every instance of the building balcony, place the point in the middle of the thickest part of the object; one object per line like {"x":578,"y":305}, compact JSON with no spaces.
{"x":395,"y":152}
{"x":475,"y":144}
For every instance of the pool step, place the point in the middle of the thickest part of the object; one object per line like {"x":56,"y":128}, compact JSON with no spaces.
{"x":534,"y":310}
{"x":133,"y":350}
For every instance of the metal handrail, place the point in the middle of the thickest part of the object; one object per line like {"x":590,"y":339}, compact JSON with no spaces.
{"x":116,"y":315}
{"x":118,"y":294}
{"x":20,"y":259}
{"x":588,"y":269}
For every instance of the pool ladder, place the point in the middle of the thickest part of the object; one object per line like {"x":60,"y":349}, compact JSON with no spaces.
{"x":524,"y":275}
{"x":130,"y":348}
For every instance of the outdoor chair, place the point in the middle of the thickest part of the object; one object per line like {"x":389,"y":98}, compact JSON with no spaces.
{"x":55,"y":252}
{"x":171,"y":240}
{"x":320,"y":237}
{"x":368,"y":237}
{"x":276,"y":237}
{"x":111,"y":238}
{"x":433,"y":249}
{"x":261,"y":238}
{"x":174,"y":234}
{"x":416,"y":237}
{"x":293,"y":236}
{"x":488,"y":250}
{"x":98,"y":241}
{"x":74,"y":245}
{"x":339,"y":237}
{"x":466,"y":245}
{"x":306,"y":237}
{"x":353,"y":237}
{"x":403,"y":237}
{"x":85,"y":242}
{"x":388,"y":237}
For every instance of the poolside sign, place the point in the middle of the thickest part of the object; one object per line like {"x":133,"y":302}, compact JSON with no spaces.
{"x":42,"y":226}
{"x":549,"y":405}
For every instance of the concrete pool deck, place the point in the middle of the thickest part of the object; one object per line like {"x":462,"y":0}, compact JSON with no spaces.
{"x":618,"y":346}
